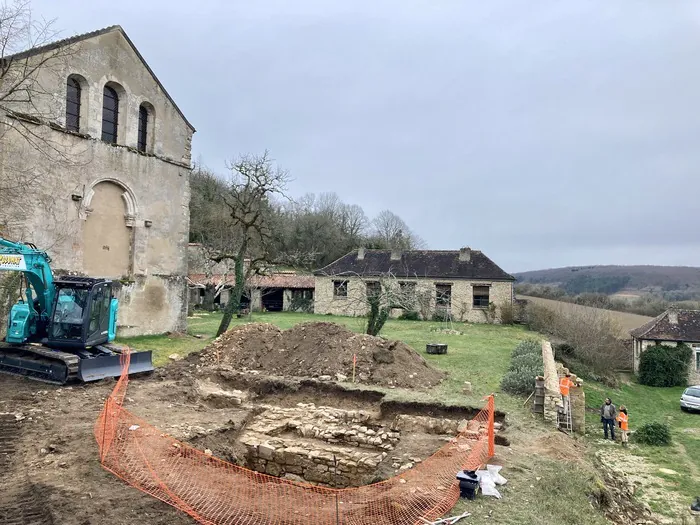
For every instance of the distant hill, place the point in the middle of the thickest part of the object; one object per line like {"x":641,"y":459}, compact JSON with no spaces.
{"x":612,"y":279}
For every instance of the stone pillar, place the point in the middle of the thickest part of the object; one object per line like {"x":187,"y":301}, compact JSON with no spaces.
{"x":552,"y":398}
{"x":286,"y":299}
{"x":224,"y":296}
{"x":256,"y":300}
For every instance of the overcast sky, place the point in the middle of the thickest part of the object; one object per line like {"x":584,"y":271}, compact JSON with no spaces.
{"x":544,"y":133}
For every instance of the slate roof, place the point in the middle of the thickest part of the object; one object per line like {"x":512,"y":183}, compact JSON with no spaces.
{"x":432,"y":264}
{"x":672,"y":325}
{"x":85,"y":36}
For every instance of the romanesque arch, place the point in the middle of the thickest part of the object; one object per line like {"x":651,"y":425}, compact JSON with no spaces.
{"x":110,"y":210}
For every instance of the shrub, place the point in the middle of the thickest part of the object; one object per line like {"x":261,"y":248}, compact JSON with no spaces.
{"x":525,"y":365}
{"x":410,"y":315}
{"x":662,"y":365}
{"x":507,"y":312}
{"x":521,"y":381}
{"x":529,"y":346}
{"x":656,"y":434}
{"x":563,"y":349}
{"x":533,"y":361}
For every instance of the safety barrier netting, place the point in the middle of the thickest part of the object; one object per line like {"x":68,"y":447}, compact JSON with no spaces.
{"x":215,"y":492}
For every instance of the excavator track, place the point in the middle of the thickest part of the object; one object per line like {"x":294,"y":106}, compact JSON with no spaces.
{"x":39,"y":363}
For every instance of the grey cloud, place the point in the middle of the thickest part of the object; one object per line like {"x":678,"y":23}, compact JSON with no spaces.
{"x":543,"y":132}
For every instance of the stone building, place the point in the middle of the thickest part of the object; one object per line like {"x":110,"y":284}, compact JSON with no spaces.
{"x":275,"y":291}
{"x":672,"y":327}
{"x":464,"y":285}
{"x":109,"y":195}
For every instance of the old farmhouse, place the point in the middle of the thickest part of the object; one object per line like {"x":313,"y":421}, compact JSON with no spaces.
{"x":672,"y":327}
{"x":100,"y":153}
{"x":463,"y":285}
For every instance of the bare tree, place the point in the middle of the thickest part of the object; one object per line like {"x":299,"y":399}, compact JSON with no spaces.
{"x":381,"y":294}
{"x":392,"y":232}
{"x":253,"y":182}
{"x":29,"y":68}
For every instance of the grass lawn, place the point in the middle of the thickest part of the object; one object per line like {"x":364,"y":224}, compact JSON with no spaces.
{"x":646,"y":404}
{"x":540,"y":490}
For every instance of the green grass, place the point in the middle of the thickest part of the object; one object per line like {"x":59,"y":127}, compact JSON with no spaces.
{"x":646,"y":404}
{"x":480,"y":355}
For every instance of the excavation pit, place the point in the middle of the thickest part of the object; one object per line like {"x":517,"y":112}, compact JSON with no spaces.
{"x":352,"y":441}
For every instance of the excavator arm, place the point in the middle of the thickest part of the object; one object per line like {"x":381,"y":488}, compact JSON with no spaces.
{"x":30,"y":315}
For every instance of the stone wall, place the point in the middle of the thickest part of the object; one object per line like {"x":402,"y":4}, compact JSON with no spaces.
{"x":553,"y":372}
{"x":462,"y":309}
{"x":106,"y":210}
{"x":552,"y":397}
{"x":278,"y":443}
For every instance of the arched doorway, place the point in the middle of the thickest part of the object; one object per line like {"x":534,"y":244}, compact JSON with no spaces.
{"x":106,"y":236}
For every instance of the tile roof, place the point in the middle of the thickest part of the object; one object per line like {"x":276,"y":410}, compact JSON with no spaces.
{"x":279,"y":280}
{"x":418,"y":263}
{"x":672,"y":325}
{"x":85,"y":36}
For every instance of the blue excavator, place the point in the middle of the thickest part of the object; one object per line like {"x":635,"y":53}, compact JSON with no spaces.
{"x":62,"y":330}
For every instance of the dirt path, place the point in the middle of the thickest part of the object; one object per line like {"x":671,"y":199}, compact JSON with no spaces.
{"x":49,"y":469}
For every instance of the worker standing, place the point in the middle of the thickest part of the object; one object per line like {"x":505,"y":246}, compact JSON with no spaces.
{"x":565,"y":384}
{"x":607,"y":417}
{"x":623,"y":422}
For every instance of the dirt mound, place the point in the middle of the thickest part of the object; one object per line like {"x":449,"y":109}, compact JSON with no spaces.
{"x":318,"y":350}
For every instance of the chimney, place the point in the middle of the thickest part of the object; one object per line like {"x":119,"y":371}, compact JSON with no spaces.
{"x":465,"y":254}
{"x":361,"y":254}
{"x":673,"y":316}
{"x":395,"y":255}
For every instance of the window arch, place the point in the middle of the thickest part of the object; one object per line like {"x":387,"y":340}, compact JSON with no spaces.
{"x":110,"y":114}
{"x":146,"y":127}
{"x":74,"y":102}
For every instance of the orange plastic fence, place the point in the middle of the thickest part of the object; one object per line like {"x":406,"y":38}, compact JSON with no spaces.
{"x":215,"y":492}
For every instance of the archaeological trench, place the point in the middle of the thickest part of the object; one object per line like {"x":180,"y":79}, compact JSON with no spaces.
{"x":311,"y":430}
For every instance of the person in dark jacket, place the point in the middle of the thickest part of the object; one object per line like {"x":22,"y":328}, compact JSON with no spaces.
{"x":608,"y":414}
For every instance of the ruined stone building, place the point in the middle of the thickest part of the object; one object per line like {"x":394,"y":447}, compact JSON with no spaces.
{"x":462,"y":285}
{"x":100,"y":157}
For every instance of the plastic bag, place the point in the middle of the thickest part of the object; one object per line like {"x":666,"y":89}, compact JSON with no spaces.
{"x":487,"y":484}
{"x":495,"y":470}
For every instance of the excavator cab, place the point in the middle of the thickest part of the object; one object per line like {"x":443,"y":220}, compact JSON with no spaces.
{"x":84,"y":313}
{"x":61,"y":330}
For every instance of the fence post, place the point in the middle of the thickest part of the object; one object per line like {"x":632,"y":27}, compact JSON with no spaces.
{"x":492,"y":419}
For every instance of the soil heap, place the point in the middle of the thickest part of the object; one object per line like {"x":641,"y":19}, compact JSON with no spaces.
{"x":318,"y":350}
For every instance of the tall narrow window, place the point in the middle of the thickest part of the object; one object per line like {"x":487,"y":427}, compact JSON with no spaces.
{"x":73,"y":93}
{"x":110,"y":115}
{"x":143,"y":128}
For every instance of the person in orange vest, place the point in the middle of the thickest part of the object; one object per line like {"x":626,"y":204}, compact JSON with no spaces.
{"x":623,"y":423}
{"x":565,"y":383}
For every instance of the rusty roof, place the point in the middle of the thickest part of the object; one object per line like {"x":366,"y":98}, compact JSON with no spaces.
{"x":672,"y":325}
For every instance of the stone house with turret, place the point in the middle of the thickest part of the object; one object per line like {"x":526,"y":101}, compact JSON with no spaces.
{"x":100,"y":155}
{"x":462,"y":285}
